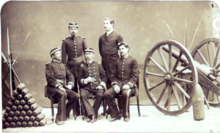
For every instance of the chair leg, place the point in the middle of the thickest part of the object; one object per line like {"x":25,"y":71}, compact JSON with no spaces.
{"x":52,"y":110}
{"x":138,"y":107}
{"x":129,"y":107}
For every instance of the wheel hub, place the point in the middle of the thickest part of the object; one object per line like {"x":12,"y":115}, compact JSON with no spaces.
{"x":169,"y":78}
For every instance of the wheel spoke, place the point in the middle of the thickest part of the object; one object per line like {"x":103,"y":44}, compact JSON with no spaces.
{"x":209,"y":56}
{"x":151,"y":88}
{"x":158,"y":65}
{"x":181,"y":70}
{"x":163,"y":59}
{"x":183,"y":80}
{"x":181,"y":89}
{"x":176,"y":64}
{"x":154,"y":74}
{"x":169,"y":98}
{"x":216,"y":56}
{"x":177,"y":97}
{"x":161,"y":95}
{"x":170,"y":57}
{"x":203,"y":58}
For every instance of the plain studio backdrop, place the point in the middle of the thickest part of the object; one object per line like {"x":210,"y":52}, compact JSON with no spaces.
{"x":142,"y":24}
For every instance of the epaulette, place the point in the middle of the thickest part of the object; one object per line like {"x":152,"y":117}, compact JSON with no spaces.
{"x":64,"y":38}
{"x":48,"y":63}
{"x":82,"y":37}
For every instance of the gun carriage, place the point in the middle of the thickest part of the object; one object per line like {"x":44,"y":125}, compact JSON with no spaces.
{"x":171,"y":74}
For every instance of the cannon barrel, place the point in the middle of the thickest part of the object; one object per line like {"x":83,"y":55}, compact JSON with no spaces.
{"x":206,"y":70}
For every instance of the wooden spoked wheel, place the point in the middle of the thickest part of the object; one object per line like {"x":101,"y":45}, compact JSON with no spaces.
{"x":208,"y":53}
{"x":165,"y":80}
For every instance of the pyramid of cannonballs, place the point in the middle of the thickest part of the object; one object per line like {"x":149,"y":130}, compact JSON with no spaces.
{"x":22,"y":110}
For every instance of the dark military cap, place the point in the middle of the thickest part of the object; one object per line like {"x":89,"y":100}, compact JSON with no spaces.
{"x":73,"y":24}
{"x":123,"y":43}
{"x":52,"y":51}
{"x":89,"y":50}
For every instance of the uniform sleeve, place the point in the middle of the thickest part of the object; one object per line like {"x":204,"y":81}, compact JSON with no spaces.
{"x":84,"y":44}
{"x":120,"y":39}
{"x":102,"y":76}
{"x":50,"y":77}
{"x":69,"y":77}
{"x":114,"y":77}
{"x":63,"y":52}
{"x":134,"y":73}
{"x":100,"y":45}
{"x":81,"y":76}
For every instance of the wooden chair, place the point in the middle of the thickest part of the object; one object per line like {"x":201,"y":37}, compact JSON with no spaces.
{"x":52,"y":101}
{"x":137,"y":98}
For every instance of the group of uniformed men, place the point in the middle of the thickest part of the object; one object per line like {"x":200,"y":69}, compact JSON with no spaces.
{"x":73,"y":64}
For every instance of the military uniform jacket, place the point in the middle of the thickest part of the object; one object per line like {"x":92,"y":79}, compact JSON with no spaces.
{"x":126,"y":72}
{"x":57,"y":74}
{"x":73,"y":47}
{"x":93,"y":69}
{"x":108,"y":49}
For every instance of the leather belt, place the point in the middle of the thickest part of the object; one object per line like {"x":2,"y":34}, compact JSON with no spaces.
{"x":75,"y":60}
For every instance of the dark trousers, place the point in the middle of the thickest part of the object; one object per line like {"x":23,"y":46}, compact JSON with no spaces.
{"x":74,"y":69}
{"x":89,"y":110}
{"x":63,"y":108}
{"x":110,"y":95}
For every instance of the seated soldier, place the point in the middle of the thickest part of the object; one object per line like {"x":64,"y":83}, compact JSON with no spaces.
{"x":57,"y":76}
{"x":92,"y":80}
{"x":123,"y":80}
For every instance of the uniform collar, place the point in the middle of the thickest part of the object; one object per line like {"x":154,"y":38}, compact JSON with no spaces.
{"x":54,"y":60}
{"x":109,"y":32}
{"x":124,"y":57}
{"x":90,"y":62}
{"x":73,"y":36}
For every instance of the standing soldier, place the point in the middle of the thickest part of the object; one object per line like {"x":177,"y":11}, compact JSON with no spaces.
{"x":124,"y":80}
{"x":92,"y":80}
{"x":73,"y":46}
{"x":58,"y":76}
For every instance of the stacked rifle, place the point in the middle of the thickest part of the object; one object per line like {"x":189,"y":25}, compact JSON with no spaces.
{"x":22,"y":110}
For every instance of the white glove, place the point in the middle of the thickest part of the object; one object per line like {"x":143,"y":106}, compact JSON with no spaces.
{"x":62,"y":89}
{"x":125,"y":87}
{"x":69,"y":86}
{"x":116,"y":88}
{"x":90,"y":79}
{"x":99,"y":87}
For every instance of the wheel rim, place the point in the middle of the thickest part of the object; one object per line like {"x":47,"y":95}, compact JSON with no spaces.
{"x":170,"y":82}
{"x":207,"y":52}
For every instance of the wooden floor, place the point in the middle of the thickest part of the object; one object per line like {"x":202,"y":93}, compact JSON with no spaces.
{"x":151,"y":120}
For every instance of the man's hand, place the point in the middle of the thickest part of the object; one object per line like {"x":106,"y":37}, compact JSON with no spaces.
{"x":125,"y":87}
{"x":116,"y":88}
{"x":69,"y":86}
{"x":62,"y":89}
{"x":90,"y":79}
{"x":99,"y":87}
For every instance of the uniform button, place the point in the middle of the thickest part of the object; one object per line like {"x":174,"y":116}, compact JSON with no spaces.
{"x":91,"y":83}
{"x":122,"y":72}
{"x":76,"y":55}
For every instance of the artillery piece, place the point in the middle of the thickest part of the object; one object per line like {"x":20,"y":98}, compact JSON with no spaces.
{"x":180,"y":75}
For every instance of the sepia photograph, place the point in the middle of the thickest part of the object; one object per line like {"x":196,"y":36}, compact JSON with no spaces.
{"x":110,"y":66}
